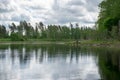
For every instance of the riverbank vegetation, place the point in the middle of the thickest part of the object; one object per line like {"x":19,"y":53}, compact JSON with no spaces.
{"x":25,"y":31}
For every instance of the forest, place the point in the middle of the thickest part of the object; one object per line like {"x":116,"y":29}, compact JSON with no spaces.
{"x":25,"y":31}
{"x":107,"y":27}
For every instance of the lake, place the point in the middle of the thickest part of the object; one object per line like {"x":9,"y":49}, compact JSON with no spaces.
{"x":58,"y":62}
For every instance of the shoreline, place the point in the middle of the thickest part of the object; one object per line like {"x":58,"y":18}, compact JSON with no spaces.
{"x":89,"y":43}
{"x":31,"y":42}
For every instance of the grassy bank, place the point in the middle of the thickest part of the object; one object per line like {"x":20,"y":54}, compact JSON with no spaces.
{"x":94,"y":43}
{"x":35,"y":41}
{"x":107,"y":43}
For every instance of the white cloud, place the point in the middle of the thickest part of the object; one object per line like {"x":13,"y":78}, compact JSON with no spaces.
{"x":49,"y":11}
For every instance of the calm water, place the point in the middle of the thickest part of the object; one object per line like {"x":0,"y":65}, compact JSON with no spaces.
{"x":58,"y":62}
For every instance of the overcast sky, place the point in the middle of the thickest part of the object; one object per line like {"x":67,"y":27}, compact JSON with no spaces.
{"x":84,"y":12}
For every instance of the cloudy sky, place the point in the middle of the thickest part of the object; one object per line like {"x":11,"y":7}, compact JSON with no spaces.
{"x":84,"y":12}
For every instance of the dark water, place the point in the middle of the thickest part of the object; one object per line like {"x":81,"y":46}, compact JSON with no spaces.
{"x":58,"y":62}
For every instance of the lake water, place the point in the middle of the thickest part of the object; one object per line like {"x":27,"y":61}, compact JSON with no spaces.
{"x":58,"y":62}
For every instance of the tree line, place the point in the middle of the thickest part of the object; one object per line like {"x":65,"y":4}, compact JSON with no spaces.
{"x":25,"y":31}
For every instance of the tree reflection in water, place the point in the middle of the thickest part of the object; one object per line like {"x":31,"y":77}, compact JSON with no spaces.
{"x":58,"y":61}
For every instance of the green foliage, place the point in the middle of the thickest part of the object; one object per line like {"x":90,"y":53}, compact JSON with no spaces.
{"x":114,"y":32}
{"x":25,"y":31}
{"x":3,"y":32}
{"x":17,"y":37}
{"x":55,"y":32}
{"x":109,"y":17}
{"x":109,"y":12}
{"x":110,"y":22}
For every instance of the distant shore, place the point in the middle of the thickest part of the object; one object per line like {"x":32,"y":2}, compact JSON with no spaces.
{"x":31,"y":42}
{"x":93,"y":43}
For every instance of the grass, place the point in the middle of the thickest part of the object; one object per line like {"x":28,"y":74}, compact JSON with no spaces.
{"x":96,"y":43}
{"x":3,"y":40}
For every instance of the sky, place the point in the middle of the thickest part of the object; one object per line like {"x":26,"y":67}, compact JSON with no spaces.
{"x":84,"y":12}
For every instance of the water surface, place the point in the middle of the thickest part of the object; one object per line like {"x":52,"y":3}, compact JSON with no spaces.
{"x":57,"y":62}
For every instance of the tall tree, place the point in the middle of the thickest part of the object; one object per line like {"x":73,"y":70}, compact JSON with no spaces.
{"x":3,"y":31}
{"x":109,"y":15}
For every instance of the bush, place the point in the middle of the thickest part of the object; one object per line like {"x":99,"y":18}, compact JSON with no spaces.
{"x":17,"y":37}
{"x":110,"y":22}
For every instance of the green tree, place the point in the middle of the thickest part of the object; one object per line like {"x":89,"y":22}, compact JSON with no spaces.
{"x":15,"y":36}
{"x":109,"y":14}
{"x":3,"y":32}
